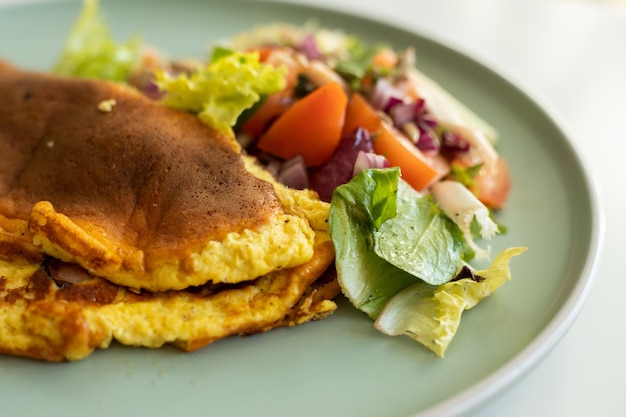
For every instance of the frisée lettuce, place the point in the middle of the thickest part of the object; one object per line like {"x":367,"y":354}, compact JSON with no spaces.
{"x":432,"y":314}
{"x":397,"y":257}
{"x":217,"y":92}
{"x":221,"y":90}
{"x":91,"y":52}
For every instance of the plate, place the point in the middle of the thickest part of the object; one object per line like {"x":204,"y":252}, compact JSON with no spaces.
{"x":339,"y":366}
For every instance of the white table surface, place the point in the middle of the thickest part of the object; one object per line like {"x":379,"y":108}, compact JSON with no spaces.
{"x":572,"y":56}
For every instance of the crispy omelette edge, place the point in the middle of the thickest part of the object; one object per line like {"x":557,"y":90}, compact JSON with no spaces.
{"x":39,"y":323}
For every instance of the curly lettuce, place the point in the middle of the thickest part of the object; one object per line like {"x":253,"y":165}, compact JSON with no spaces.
{"x":432,"y":314}
{"x":220,"y":91}
{"x":91,"y":52}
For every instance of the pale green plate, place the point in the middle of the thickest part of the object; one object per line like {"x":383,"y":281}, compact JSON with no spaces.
{"x":339,"y":366}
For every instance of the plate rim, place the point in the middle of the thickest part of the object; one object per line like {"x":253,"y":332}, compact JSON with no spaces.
{"x":518,"y":366}
{"x":521,"y":364}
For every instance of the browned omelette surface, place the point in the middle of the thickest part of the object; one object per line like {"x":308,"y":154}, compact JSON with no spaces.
{"x":145,"y":196}
{"x":122,"y":220}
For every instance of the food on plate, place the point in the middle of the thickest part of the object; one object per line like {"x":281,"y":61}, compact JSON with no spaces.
{"x":216,"y":192}
{"x":56,"y":311}
{"x":145,"y":195}
{"x":189,"y":239}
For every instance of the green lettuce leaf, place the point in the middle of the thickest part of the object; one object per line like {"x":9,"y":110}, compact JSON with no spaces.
{"x":91,"y":52}
{"x":357,"y":207}
{"x":431,"y":314}
{"x":387,"y":237}
{"x":417,"y":239}
{"x":397,"y":255}
{"x":220,"y":91}
{"x":358,"y":61}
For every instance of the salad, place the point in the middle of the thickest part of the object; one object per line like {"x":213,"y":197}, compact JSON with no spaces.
{"x":413,"y":178}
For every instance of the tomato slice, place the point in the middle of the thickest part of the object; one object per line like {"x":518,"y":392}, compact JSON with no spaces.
{"x":311,"y":127}
{"x":390,"y":143}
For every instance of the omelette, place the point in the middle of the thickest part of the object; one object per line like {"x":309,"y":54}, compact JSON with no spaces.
{"x":43,"y":316}
{"x":121,"y":219}
{"x":145,"y":195}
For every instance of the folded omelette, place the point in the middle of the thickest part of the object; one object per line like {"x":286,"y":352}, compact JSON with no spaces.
{"x":122,"y":219}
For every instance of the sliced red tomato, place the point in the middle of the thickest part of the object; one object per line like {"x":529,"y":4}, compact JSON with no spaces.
{"x":398,"y":150}
{"x":311,"y":127}
{"x":493,"y":184}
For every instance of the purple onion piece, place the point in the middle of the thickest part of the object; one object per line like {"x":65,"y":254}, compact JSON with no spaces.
{"x":309,"y":48}
{"x":419,"y":106}
{"x":384,"y":95}
{"x":340,"y":166}
{"x":369,"y":160}
{"x":426,"y":119}
{"x":145,"y":83}
{"x":403,"y":113}
{"x":427,"y":141}
{"x":151,"y":90}
{"x":293,"y":173}
{"x":391,"y":103}
{"x":453,"y":144}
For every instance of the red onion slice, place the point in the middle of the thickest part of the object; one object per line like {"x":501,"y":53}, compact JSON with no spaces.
{"x":293,"y":173}
{"x":369,"y":160}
